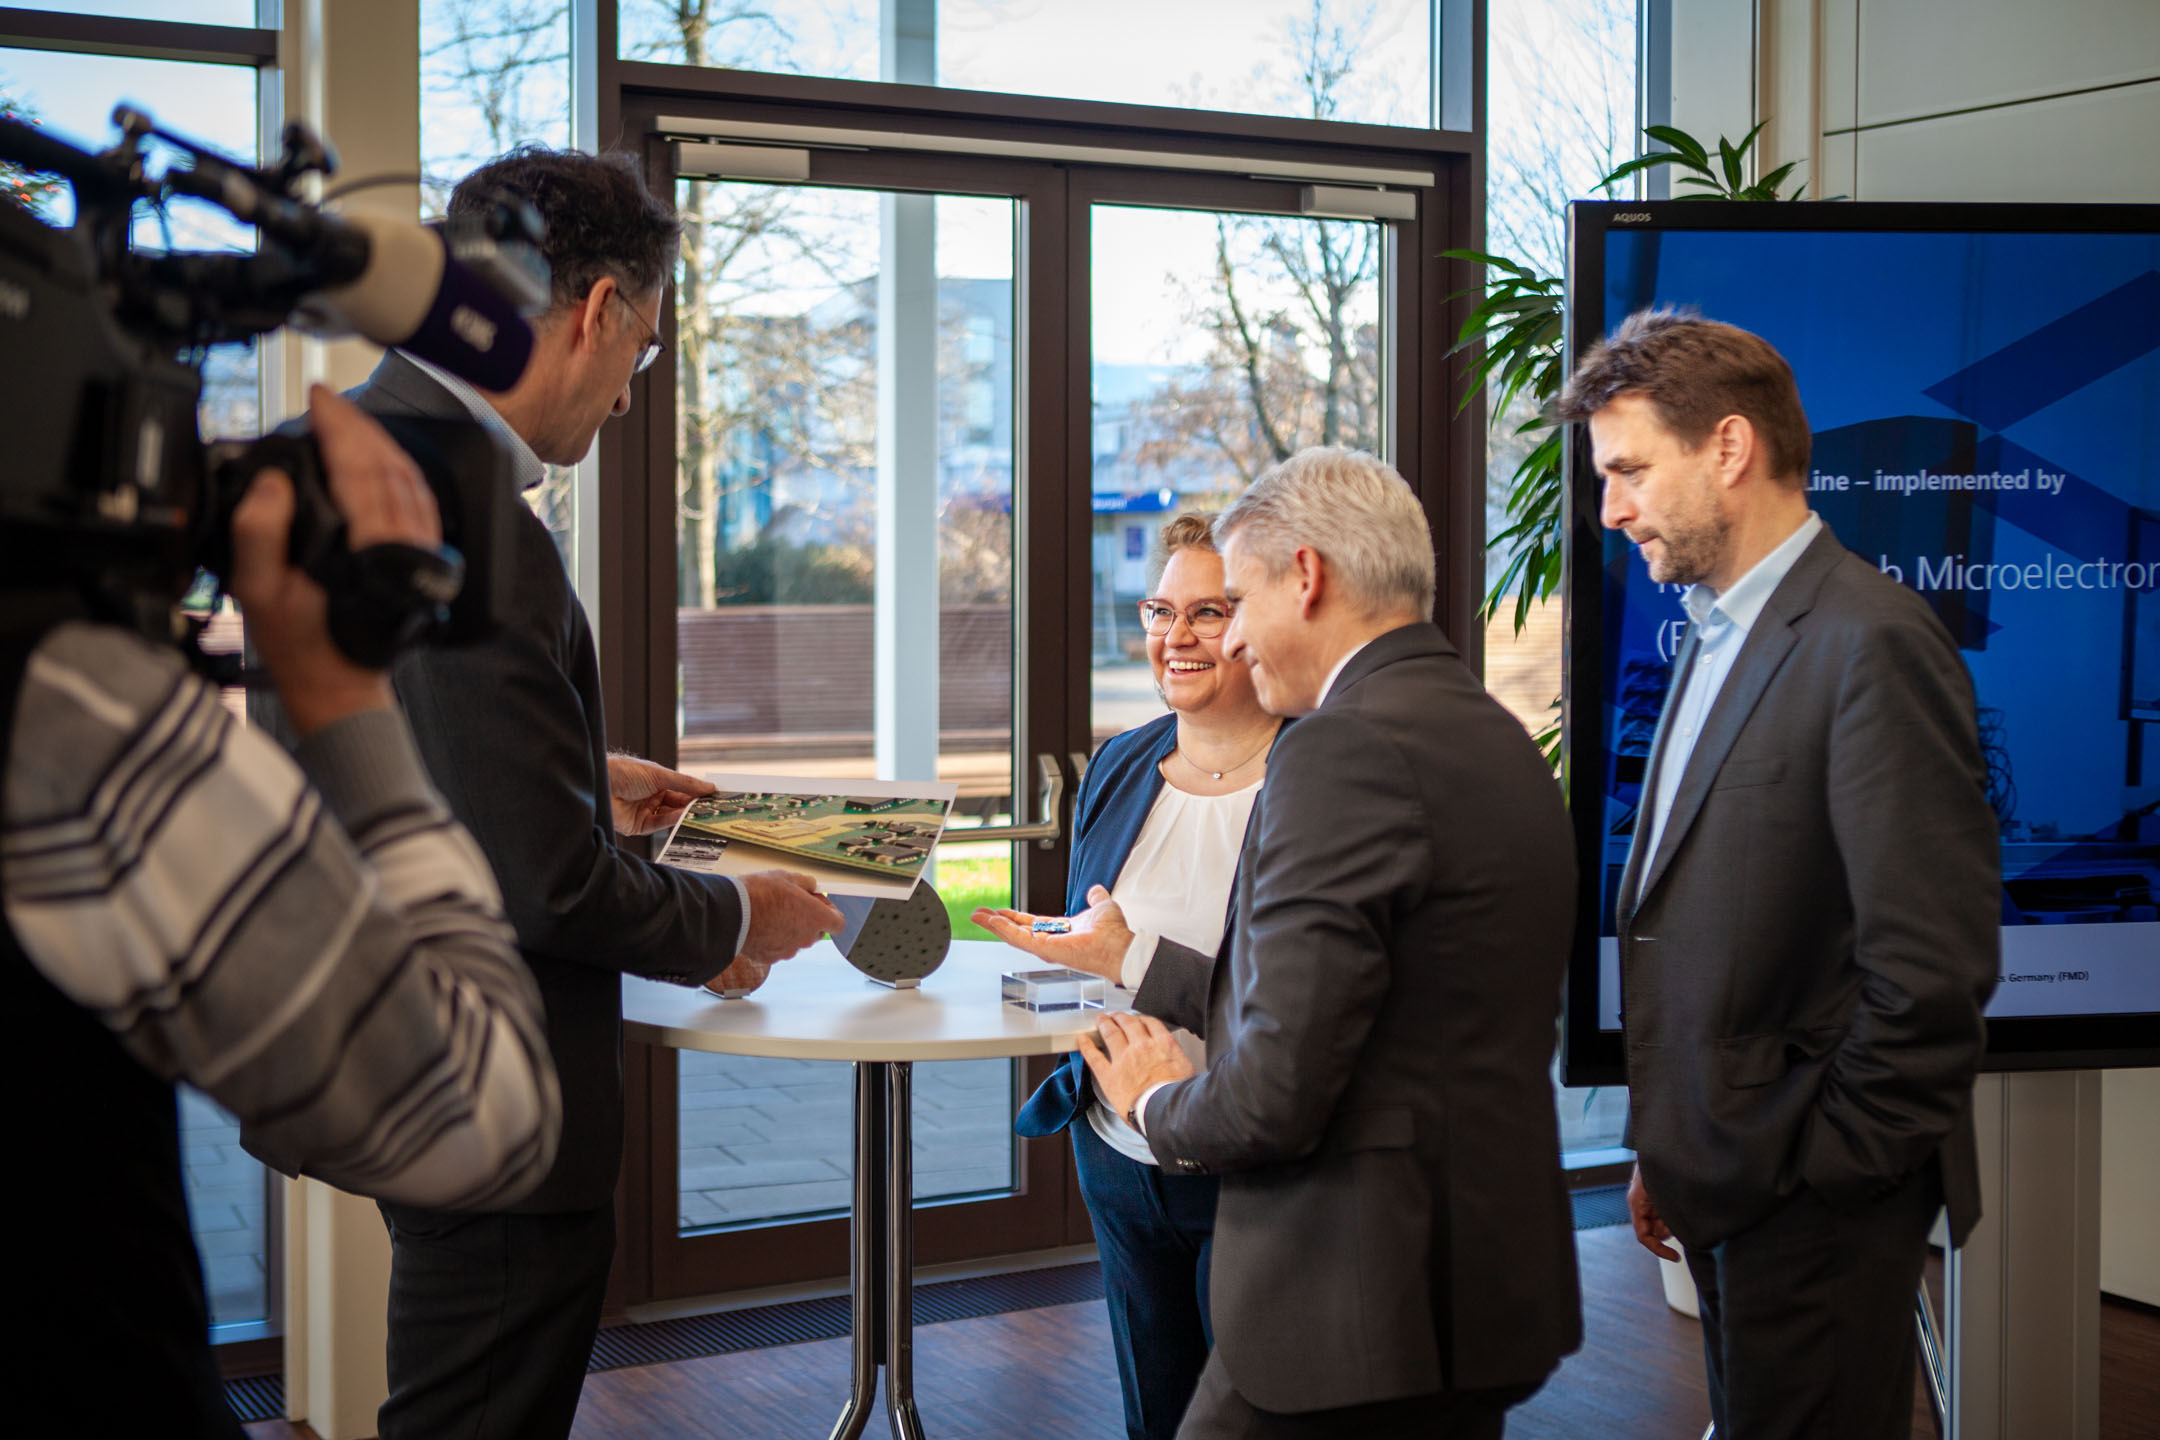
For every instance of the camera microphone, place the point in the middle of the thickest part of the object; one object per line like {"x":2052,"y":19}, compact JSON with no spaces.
{"x":416,"y":295}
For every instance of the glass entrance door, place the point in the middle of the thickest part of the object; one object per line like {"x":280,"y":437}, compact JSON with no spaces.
{"x":848,"y":406}
{"x":1219,"y":343}
{"x":844,"y":544}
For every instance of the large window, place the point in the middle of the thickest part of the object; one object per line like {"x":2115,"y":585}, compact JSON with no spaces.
{"x":495,"y":74}
{"x":1368,"y":61}
{"x":1561,"y":115}
{"x":73,"y":95}
{"x":804,"y":455}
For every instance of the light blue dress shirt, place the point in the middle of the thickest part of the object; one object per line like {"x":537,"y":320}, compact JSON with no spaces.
{"x":1720,"y":625}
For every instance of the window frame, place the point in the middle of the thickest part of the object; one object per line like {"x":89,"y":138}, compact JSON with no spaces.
{"x":133,"y":39}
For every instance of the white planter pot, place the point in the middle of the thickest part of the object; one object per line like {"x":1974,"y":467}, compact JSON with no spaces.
{"x":1679,"y":1285}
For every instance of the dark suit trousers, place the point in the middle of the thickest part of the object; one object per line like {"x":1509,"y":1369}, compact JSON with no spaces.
{"x":1154,"y":1233}
{"x":1219,"y":1413}
{"x":492,"y":1319}
{"x":1808,"y":1318}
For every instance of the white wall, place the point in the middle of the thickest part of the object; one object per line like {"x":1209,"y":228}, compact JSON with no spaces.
{"x":350,"y":68}
{"x":1957,"y":100}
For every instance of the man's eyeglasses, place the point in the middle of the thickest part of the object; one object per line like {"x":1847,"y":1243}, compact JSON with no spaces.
{"x":1205,"y":618}
{"x":653,"y":347}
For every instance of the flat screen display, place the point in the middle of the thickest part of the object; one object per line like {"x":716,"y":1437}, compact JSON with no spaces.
{"x":1983,"y":384}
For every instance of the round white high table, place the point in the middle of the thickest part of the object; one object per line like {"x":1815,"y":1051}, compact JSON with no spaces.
{"x":818,"y":1007}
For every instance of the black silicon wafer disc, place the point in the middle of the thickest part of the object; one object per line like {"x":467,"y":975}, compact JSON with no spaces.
{"x":903,"y":939}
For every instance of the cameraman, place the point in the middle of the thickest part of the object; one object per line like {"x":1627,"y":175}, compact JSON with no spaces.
{"x":327,"y":960}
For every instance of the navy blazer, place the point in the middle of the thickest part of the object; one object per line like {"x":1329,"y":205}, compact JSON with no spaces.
{"x":1116,"y":795}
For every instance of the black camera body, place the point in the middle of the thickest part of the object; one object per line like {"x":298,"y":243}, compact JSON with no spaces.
{"x":110,"y":492}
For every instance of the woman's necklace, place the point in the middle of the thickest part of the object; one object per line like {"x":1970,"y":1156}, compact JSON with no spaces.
{"x":1218,"y":774}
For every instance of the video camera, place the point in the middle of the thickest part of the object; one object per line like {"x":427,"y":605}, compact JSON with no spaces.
{"x":110,"y":492}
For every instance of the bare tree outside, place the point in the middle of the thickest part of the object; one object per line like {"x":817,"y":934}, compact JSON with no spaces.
{"x":1291,"y":315}
{"x":1563,"y":75}
{"x":757,"y":390}
{"x":1562,"y":116}
{"x":1290,"y":306}
{"x":495,"y":74}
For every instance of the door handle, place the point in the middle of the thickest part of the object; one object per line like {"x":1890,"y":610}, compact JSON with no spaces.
{"x":1050,"y":795}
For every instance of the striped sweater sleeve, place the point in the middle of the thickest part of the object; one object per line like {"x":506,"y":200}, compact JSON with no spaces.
{"x":328,"y":961}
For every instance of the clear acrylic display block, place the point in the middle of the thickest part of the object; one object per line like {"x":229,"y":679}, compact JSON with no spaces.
{"x":1054,"y":989}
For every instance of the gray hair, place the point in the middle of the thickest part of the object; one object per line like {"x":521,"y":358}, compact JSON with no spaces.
{"x":1354,"y":510}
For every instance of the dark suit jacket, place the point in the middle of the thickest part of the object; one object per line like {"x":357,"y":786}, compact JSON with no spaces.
{"x":1380,"y":1028}
{"x":1804,"y":961}
{"x":512,"y":734}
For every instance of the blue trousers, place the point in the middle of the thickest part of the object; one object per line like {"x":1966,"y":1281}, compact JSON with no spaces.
{"x":1154,"y":1232}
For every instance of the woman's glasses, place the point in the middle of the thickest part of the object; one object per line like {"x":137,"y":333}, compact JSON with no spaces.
{"x":1205,"y":618}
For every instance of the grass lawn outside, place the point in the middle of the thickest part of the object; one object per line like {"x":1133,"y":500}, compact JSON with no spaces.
{"x":969,"y":876}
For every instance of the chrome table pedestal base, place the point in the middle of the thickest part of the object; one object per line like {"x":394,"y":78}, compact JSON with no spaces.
{"x":881,"y":1252}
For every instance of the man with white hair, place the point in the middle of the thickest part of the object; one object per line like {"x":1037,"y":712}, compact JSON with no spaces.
{"x":1393,"y":1252}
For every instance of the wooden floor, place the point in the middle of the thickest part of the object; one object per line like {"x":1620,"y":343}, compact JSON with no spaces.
{"x":1047,"y":1373}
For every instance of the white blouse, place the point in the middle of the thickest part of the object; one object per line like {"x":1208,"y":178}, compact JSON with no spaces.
{"x":1176,"y":883}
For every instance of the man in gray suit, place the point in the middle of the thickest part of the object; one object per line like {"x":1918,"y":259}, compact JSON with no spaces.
{"x":1393,"y":1253}
{"x":492,"y":1315}
{"x":1808,"y":917}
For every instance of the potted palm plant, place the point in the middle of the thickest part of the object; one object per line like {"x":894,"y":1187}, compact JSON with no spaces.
{"x":1518,"y":322}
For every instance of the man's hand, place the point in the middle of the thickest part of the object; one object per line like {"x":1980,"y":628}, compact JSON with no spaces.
{"x":648,"y":796}
{"x":786,"y":915}
{"x":1096,"y":943}
{"x":379,"y":490}
{"x":1650,"y":1231}
{"x":1128,"y":1053}
{"x":740,"y":977}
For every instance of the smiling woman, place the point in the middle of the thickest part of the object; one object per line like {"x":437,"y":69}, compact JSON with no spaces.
{"x":1222,"y":732}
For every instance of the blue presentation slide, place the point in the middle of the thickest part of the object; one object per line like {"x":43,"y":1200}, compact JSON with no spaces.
{"x":1986,"y":413}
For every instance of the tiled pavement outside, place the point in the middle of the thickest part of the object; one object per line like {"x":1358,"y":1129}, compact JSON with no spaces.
{"x":225,"y":1203}
{"x":763,"y":1138}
